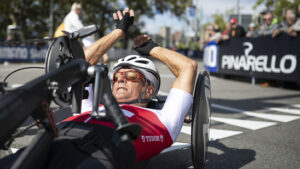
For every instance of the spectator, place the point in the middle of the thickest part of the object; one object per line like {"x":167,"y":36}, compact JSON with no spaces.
{"x":9,"y":41}
{"x":226,"y":31}
{"x":289,"y":26}
{"x":296,"y":26}
{"x":212,"y":34}
{"x":236,"y":30}
{"x":269,"y":25}
{"x":252,"y":33}
{"x":215,"y":27}
{"x":8,"y":38}
{"x":72,"y":22}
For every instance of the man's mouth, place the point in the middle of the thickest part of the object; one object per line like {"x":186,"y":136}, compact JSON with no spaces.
{"x":119,"y":88}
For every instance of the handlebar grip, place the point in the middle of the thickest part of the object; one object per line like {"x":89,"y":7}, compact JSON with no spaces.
{"x":127,"y":131}
{"x":113,"y":109}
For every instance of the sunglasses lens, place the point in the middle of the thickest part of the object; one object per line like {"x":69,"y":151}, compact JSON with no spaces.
{"x":116,"y":76}
{"x":131,"y":75}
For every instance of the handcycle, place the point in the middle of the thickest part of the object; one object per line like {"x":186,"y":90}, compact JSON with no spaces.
{"x":66,"y":73}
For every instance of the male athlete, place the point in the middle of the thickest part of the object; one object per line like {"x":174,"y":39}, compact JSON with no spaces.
{"x":136,"y":81}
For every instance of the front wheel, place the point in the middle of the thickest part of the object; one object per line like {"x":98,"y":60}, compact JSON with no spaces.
{"x":201,"y":120}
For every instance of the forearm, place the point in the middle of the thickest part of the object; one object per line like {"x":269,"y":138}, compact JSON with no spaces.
{"x":182,"y":67}
{"x":94,"y":52}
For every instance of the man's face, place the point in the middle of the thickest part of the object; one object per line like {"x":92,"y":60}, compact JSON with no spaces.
{"x":290,"y":17}
{"x":126,"y":89}
{"x":290,"y":20}
{"x":268,"y":18}
{"x":233,"y":25}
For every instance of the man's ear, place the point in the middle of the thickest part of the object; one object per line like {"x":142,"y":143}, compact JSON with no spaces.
{"x":149,"y":92}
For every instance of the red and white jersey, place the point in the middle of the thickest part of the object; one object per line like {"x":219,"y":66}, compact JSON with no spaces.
{"x":160,"y":128}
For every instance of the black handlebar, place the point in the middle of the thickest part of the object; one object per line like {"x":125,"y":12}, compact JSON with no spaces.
{"x":17,"y":105}
{"x":83,"y":32}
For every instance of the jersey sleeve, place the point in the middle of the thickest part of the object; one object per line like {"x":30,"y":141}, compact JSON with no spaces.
{"x":174,"y":111}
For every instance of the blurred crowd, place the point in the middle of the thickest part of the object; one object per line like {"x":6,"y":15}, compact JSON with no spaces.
{"x":269,"y":26}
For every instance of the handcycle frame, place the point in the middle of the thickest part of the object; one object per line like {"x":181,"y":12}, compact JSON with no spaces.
{"x":73,"y":71}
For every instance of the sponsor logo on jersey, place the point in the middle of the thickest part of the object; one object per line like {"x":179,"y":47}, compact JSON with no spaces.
{"x":149,"y":139}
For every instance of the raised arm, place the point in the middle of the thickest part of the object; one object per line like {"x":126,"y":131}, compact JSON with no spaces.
{"x":94,"y":52}
{"x":184,"y":68}
{"x":123,"y":21}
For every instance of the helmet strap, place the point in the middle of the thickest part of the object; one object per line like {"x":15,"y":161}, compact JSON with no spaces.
{"x":142,"y":94}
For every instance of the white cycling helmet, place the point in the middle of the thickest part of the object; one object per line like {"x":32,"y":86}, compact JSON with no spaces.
{"x":143,"y":65}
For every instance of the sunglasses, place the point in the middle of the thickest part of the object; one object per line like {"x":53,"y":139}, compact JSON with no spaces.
{"x":130,"y":75}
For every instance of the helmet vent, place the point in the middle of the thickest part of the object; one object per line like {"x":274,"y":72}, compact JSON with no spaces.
{"x":142,"y":61}
{"x":131,"y":58}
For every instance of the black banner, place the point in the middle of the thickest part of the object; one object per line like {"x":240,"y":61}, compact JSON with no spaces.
{"x":263,"y":57}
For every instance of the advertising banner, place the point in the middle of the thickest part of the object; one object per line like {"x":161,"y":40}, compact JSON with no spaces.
{"x":23,"y":54}
{"x":210,"y":57}
{"x":263,"y":57}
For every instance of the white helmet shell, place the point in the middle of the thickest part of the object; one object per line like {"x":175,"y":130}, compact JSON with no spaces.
{"x":143,"y":65}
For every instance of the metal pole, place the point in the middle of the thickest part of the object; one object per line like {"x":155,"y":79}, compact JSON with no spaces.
{"x":253,"y":80}
{"x":200,"y":15}
{"x":238,"y":11}
{"x":51,"y":19}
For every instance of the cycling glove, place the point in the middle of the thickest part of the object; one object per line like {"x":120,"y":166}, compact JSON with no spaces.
{"x":145,"y":49}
